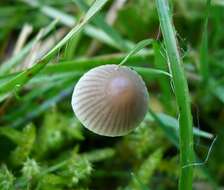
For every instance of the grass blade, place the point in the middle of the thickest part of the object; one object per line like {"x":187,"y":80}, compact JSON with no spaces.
{"x":7,"y":65}
{"x":182,"y":96}
{"x":173,"y":123}
{"x":86,"y":63}
{"x":70,"y":21}
{"x":25,"y":76}
{"x":136,"y":49}
{"x":163,"y":82}
{"x":99,"y":21}
{"x":91,"y":12}
{"x":204,"y":65}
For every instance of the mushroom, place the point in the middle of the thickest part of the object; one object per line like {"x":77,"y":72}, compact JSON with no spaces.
{"x":110,"y":100}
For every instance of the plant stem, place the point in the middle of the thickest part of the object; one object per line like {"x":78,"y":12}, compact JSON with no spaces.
{"x":182,"y":96}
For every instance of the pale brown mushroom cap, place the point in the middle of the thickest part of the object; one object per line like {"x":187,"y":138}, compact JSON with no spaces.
{"x":110,"y":100}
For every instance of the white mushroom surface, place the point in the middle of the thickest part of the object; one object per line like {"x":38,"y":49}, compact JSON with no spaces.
{"x":110,"y":100}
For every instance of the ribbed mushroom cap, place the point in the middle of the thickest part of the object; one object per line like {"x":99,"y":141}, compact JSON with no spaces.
{"x":110,"y":100}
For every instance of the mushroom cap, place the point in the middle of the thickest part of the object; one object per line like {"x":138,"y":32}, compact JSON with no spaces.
{"x":110,"y":100}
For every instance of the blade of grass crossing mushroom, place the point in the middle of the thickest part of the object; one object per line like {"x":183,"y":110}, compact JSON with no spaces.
{"x":136,"y":49}
{"x":25,"y":76}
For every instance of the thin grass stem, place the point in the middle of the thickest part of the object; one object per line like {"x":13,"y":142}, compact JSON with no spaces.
{"x":182,"y":96}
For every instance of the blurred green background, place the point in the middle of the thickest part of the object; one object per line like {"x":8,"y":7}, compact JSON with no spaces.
{"x":44,"y":147}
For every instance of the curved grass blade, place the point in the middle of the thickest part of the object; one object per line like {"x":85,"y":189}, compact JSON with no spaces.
{"x":25,"y":76}
{"x":136,"y":49}
{"x":84,"y":64}
{"x":70,"y":21}
{"x":7,"y":65}
{"x":144,"y":72}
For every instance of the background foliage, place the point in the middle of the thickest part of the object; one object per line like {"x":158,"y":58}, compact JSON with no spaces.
{"x":42,"y":144}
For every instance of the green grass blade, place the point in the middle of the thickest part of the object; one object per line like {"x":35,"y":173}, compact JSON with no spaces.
{"x":91,"y":12}
{"x":160,"y":63}
{"x":25,"y":76}
{"x":182,"y":96}
{"x":168,"y":131}
{"x":138,"y":183}
{"x":70,"y":21}
{"x":149,"y":72}
{"x":84,"y":64}
{"x":204,"y":65}
{"x":136,"y":49}
{"x":6,"y":66}
{"x":99,"y":21}
{"x":173,"y":137}
{"x":31,"y":109}
{"x":71,"y":47}
{"x":173,"y":123}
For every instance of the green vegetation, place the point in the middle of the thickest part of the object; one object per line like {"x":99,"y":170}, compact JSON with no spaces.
{"x":178,"y":49}
{"x":182,"y":96}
